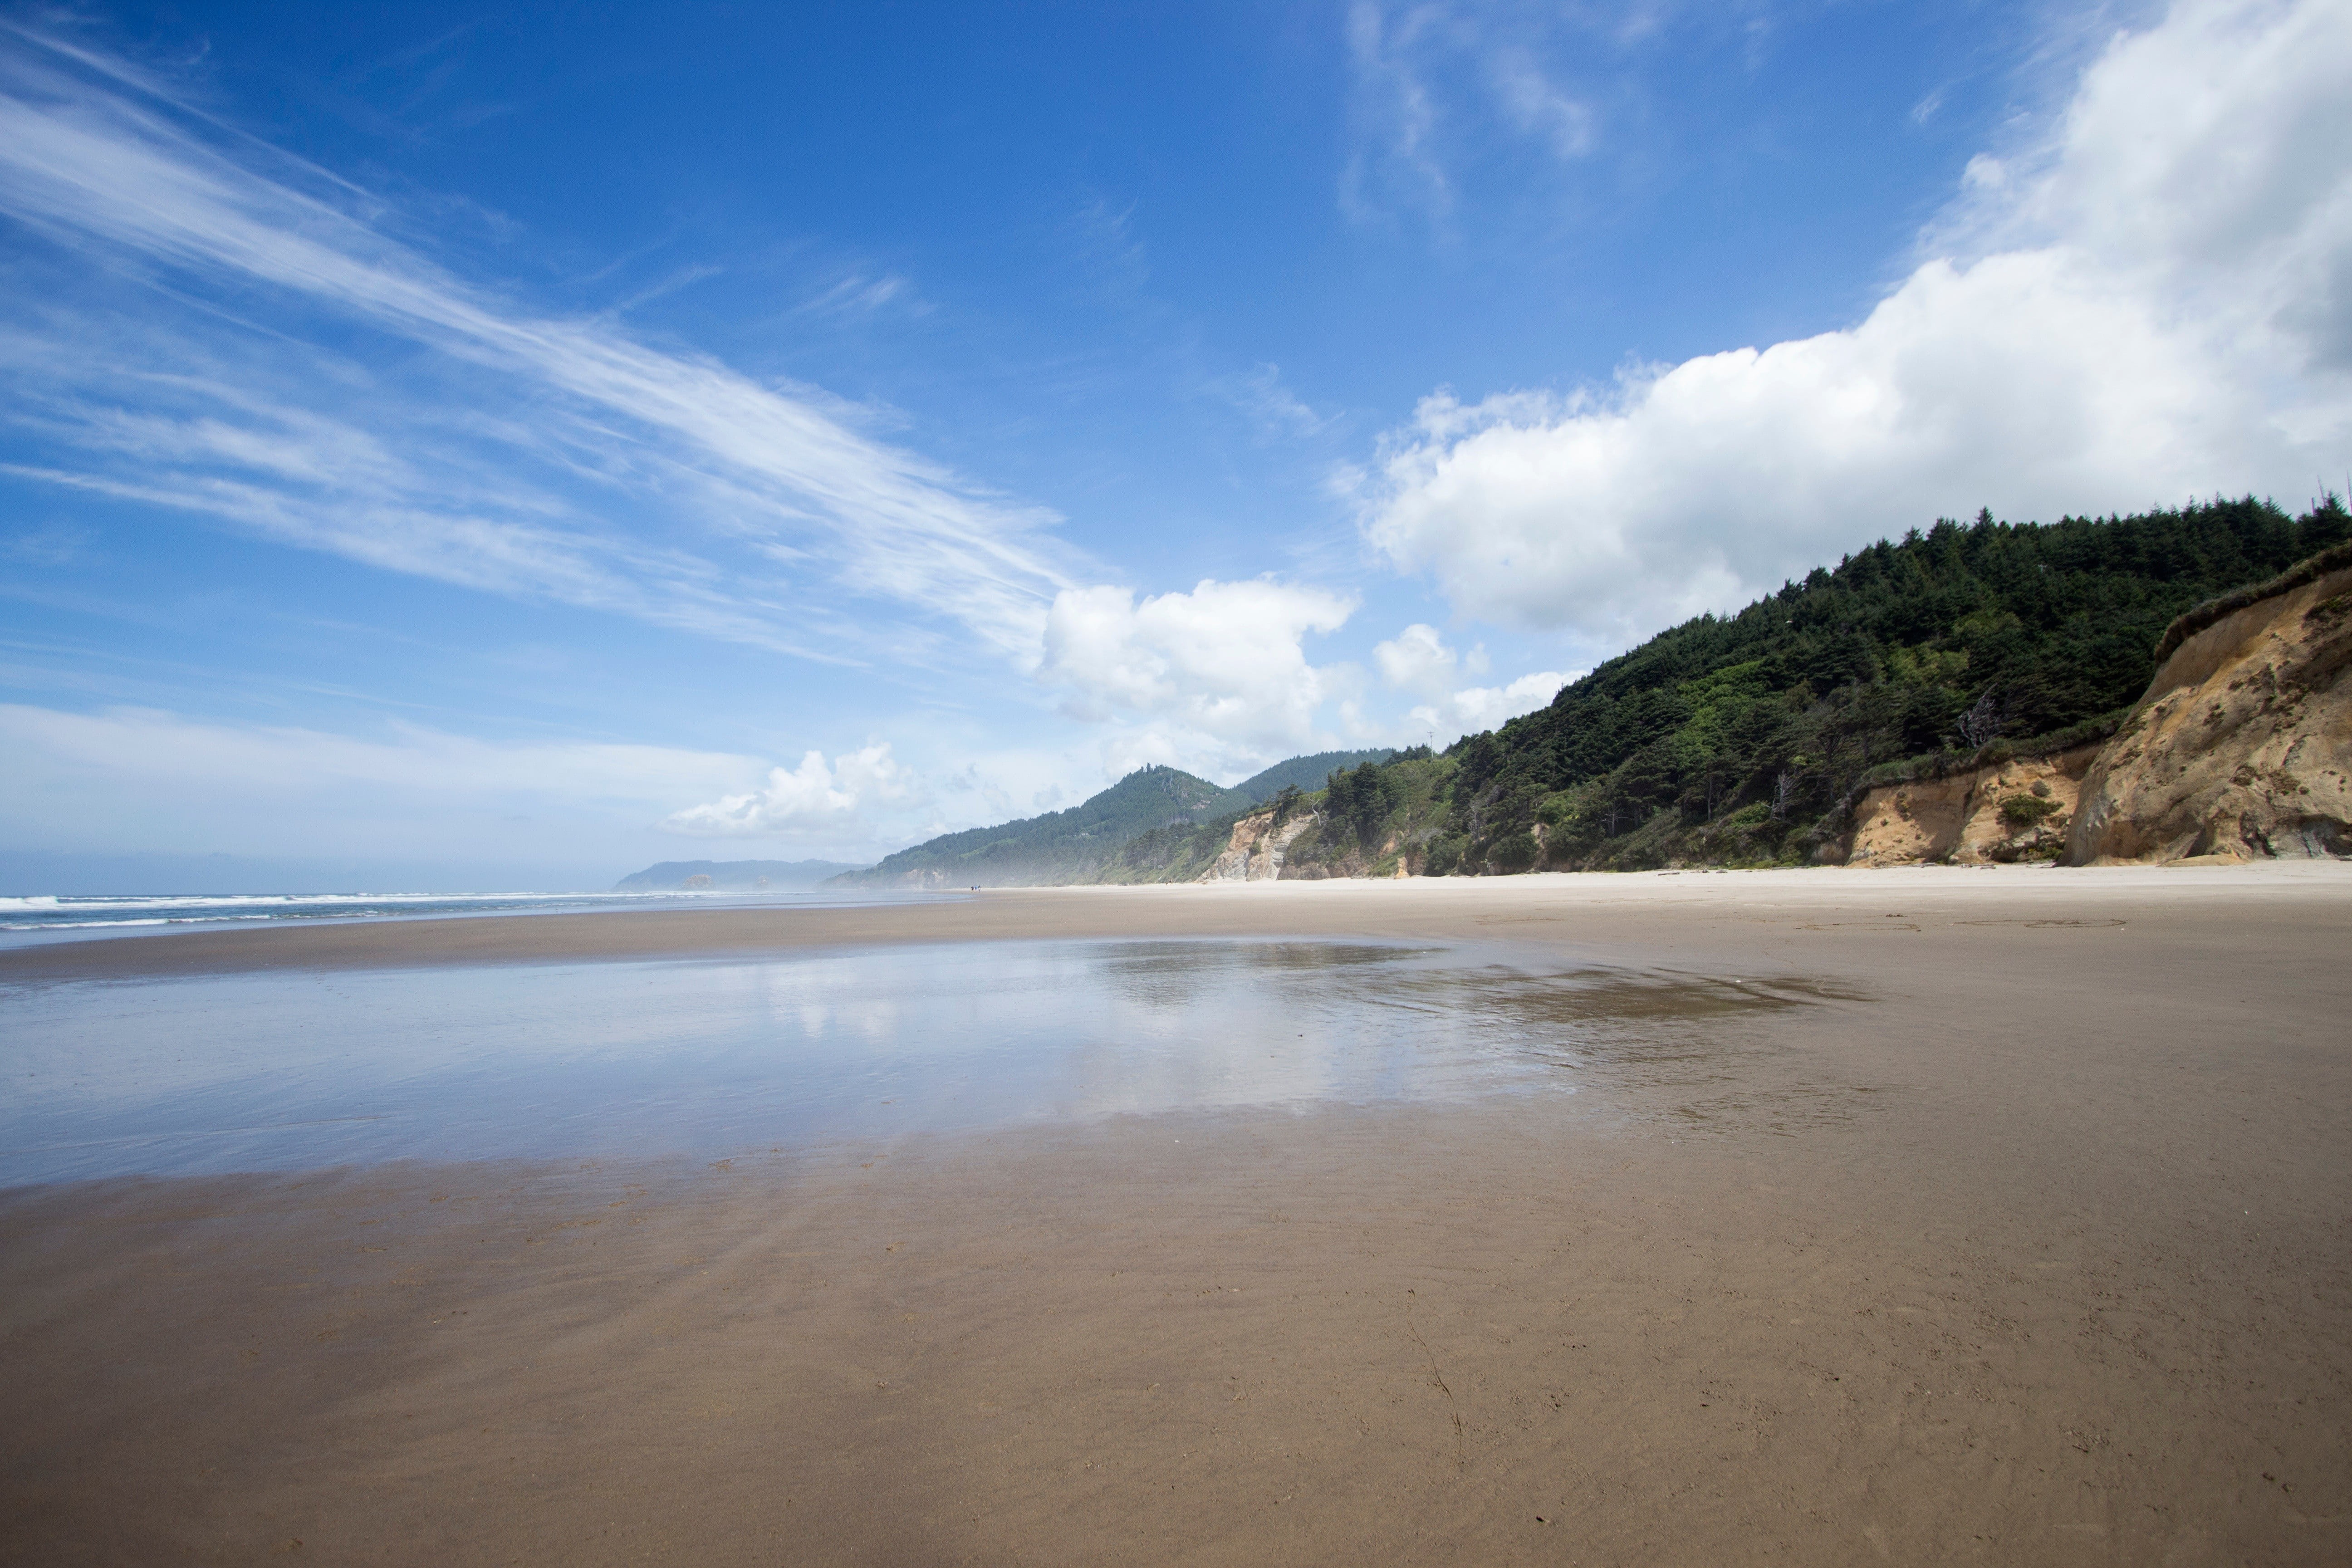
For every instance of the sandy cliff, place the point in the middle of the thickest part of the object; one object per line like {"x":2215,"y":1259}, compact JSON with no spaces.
{"x":2242,"y":746}
{"x":2240,"y":749}
{"x":2019,"y":810}
{"x":1256,"y":851}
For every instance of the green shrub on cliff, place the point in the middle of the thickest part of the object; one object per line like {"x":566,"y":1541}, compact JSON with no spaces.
{"x":1368,"y":815}
{"x":2023,"y":811}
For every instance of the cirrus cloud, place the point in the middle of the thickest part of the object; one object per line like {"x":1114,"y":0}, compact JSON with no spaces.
{"x":398,"y":413}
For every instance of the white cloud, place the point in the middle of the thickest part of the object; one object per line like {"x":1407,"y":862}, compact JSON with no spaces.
{"x":1418,"y":662}
{"x":814,"y":798}
{"x":1215,"y":677}
{"x":2155,"y":302}
{"x":1272,"y":408}
{"x":857,"y":295}
{"x":1416,"y":659}
{"x":151,"y":385}
{"x":1397,"y":116}
{"x":1475,"y":708}
{"x":1537,"y":107}
{"x":1431,"y":83}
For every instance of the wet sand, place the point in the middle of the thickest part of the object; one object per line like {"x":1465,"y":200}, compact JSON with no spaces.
{"x":2026,"y":1237}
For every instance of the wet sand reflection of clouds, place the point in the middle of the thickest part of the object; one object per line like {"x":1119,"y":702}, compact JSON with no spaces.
{"x":710,"y":1058}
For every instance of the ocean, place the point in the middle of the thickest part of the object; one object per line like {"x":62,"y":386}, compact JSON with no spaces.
{"x":62,"y":916}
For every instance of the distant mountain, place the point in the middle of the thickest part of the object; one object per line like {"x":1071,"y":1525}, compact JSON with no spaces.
{"x":1061,"y":846}
{"x":731,"y":875}
{"x":1306,"y":773}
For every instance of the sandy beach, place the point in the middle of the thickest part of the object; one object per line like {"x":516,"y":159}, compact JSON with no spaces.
{"x":2008,"y":1218}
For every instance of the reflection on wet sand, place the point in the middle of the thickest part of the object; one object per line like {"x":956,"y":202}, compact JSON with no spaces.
{"x":715,"y":1060}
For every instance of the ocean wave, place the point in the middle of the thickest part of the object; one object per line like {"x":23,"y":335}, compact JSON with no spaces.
{"x":100,"y":912}
{"x":149,"y":920}
{"x":115,"y":902}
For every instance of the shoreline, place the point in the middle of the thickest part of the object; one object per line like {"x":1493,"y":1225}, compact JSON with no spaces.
{"x":1584,"y":905}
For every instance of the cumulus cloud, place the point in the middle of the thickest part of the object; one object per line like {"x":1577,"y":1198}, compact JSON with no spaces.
{"x":1218,"y":676}
{"x":1417,"y":661}
{"x":2152,"y":302}
{"x":814,"y":798}
{"x":1483,"y":706}
{"x":1217,"y":680}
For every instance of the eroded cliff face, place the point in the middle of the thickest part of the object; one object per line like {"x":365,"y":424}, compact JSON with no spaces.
{"x":2242,"y":746}
{"x":2019,"y":810}
{"x":1256,"y":851}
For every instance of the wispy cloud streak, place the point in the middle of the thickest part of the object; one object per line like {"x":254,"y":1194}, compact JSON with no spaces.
{"x":628,"y":438}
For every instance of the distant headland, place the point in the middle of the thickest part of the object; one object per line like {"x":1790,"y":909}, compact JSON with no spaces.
{"x":731,"y":876}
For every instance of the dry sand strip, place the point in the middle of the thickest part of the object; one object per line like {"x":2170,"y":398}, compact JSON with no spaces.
{"x":2030,"y":1240}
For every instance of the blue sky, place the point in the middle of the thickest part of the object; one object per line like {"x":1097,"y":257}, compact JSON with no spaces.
{"x":519,"y":445}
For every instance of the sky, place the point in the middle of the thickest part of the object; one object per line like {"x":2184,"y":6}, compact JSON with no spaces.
{"x":478,"y":447}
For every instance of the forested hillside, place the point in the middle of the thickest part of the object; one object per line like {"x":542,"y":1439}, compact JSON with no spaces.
{"x":1728,"y":738}
{"x":1304,"y":772}
{"x":1741,"y":740}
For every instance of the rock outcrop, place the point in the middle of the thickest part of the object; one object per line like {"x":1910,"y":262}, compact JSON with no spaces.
{"x":1256,"y":851}
{"x":2242,"y":746}
{"x":2017,"y":810}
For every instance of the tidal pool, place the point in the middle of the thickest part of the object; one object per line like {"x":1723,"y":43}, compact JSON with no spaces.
{"x":710,"y":1059}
